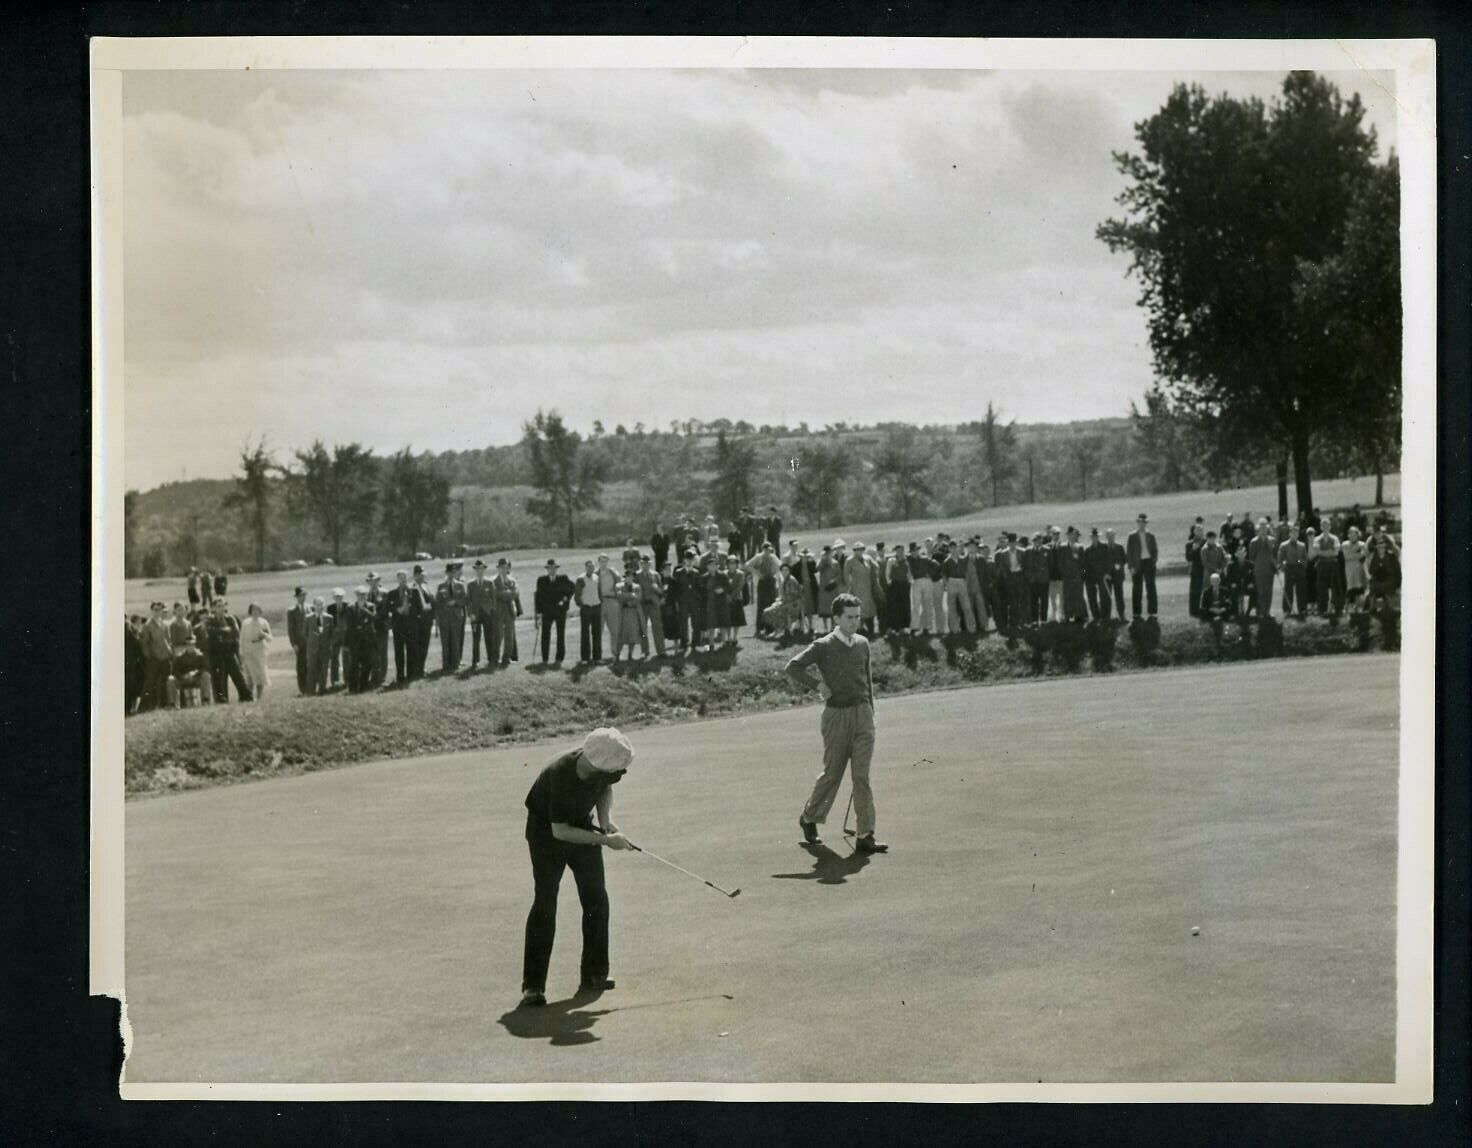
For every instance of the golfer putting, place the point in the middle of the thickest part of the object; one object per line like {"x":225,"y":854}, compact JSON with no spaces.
{"x":838,"y":665}
{"x":560,"y":835}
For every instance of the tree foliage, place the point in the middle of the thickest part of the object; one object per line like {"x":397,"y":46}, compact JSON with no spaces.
{"x":1085,"y":452}
{"x":1231,"y":205}
{"x":415,"y":503}
{"x":903,"y":462}
{"x":997,"y":452}
{"x":822,"y":469}
{"x":568,"y":479}
{"x":252,"y":494}
{"x":337,"y":491}
{"x":730,"y":487}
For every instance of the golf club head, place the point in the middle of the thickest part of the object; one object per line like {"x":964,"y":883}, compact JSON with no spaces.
{"x":734,"y":895}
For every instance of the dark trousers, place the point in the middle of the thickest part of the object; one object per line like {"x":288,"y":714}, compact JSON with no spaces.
{"x":558,"y":621}
{"x":423,"y":630}
{"x":897,"y":616}
{"x":1116,"y":586}
{"x":590,"y":634}
{"x":301,"y":669}
{"x":225,"y":668}
{"x":358,"y":669}
{"x":1038,"y":601}
{"x":684,"y":624}
{"x":155,"y":675}
{"x":1295,"y":589}
{"x":1144,"y":579}
{"x":1193,"y":591}
{"x":1098,"y":596}
{"x":403,"y":642}
{"x":548,"y":862}
{"x":1019,"y":605}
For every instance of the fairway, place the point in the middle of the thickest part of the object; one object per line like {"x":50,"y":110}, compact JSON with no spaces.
{"x":1050,"y":858}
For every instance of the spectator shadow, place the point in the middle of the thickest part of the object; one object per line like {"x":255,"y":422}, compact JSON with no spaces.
{"x":786,"y":640}
{"x":638,"y":668}
{"x":829,"y":868}
{"x":720,"y":659}
{"x":543,"y":667}
{"x":562,"y":1023}
{"x":967,"y":641}
{"x":913,"y":648}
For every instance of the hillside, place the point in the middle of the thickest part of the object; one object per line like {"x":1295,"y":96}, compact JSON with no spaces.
{"x":657,"y":474}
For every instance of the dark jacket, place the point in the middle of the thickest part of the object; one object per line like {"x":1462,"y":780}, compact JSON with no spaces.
{"x":552,"y":594}
{"x":1133,"y":553}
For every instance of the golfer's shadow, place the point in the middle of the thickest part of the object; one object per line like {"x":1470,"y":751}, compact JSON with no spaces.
{"x":830,"y":868}
{"x":560,"y":1022}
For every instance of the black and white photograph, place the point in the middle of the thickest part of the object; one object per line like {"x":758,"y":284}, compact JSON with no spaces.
{"x":702,"y":569}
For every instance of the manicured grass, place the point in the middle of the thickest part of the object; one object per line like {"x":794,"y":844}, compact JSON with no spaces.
{"x":1053,"y":845}
{"x":286,"y":734}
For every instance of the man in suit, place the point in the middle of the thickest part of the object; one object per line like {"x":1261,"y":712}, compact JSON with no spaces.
{"x":340,"y":665}
{"x":651,"y":605}
{"x":508,"y":609}
{"x":1214,"y":560}
{"x":553,"y":592}
{"x":774,"y":529}
{"x":687,"y":590}
{"x":1039,"y":563}
{"x":659,"y":542}
{"x":1096,"y":576}
{"x":1142,"y":553}
{"x":1195,"y":541}
{"x":590,"y":615}
{"x":402,"y":621}
{"x":1216,"y":603}
{"x":1293,"y":562}
{"x":421,"y":614}
{"x":362,"y":637}
{"x":1262,"y":557}
{"x":1054,"y":542}
{"x":296,"y":634}
{"x":379,"y":601}
{"x":1118,"y":563}
{"x":480,"y":605}
{"x":449,"y":613}
{"x":133,"y":663}
{"x":158,"y":658}
{"x":319,"y":628}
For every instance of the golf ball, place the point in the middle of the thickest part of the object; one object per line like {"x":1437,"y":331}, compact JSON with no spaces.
{"x":1195,"y":930}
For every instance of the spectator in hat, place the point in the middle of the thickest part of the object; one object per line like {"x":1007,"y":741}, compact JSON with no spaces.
{"x":898,"y":588}
{"x":319,"y":646}
{"x":191,"y":586}
{"x":738,"y":593}
{"x":608,"y":581}
{"x":180,"y":628}
{"x":224,"y":653}
{"x":629,"y":617}
{"x":342,"y":654}
{"x":378,"y":599}
{"x":689,"y":601}
{"x":206,"y":589}
{"x":830,"y":572}
{"x":1015,"y":571}
{"x":255,"y":640}
{"x":398,"y":604}
{"x":1195,"y":540}
{"x":1353,"y":553}
{"x":362,"y":637}
{"x":1038,"y":558}
{"x":1213,"y":558}
{"x":861,"y":581}
{"x":560,"y":835}
{"x":1142,"y":553}
{"x":480,"y":609}
{"x":1070,"y":561}
{"x":191,"y":671}
{"x":421,"y":612}
{"x":1384,"y":572}
{"x":202,"y":644}
{"x":590,"y":615}
{"x":651,"y":606}
{"x":1052,"y":541}
{"x":1118,"y":564}
{"x":554,"y":590}
{"x":508,"y":609}
{"x":805,"y":569}
{"x":774,"y":528}
{"x":1096,"y":576}
{"x":449,"y":611}
{"x":1328,"y":572}
{"x":1216,"y":603}
{"x":222,"y":584}
{"x":296,"y":634}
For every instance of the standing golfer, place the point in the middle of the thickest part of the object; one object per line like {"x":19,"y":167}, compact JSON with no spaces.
{"x":560,"y":835}
{"x":838,"y":664}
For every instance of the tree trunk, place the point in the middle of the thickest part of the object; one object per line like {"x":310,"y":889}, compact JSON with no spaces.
{"x":1282,"y":488}
{"x":1379,"y":481}
{"x":571,"y":536}
{"x":1302,"y":480}
{"x":995,"y":500}
{"x":1031,"y":491}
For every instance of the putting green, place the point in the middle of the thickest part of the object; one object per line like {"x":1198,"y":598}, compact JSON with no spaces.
{"x":1032,"y":922}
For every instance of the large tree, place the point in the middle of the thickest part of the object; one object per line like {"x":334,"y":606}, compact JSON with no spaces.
{"x":822,"y":470}
{"x":252,"y":494}
{"x":731,"y":485}
{"x":567,"y":477}
{"x":415,"y":501}
{"x":1354,"y":298}
{"x":998,"y":451}
{"x":904,"y":463}
{"x":338,"y":491}
{"x":132,"y":560}
{"x":1084,"y":452}
{"x":1230,"y":205}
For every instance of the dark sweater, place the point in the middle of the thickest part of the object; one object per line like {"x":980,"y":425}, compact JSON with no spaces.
{"x":845,"y":669}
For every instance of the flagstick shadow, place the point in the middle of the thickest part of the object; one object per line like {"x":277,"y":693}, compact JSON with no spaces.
{"x":829,"y":868}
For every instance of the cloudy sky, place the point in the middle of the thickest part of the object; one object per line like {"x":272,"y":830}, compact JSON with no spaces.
{"x":425,"y":258}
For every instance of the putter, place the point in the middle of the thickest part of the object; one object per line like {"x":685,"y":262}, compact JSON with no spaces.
{"x":655,"y":856}
{"x":847,"y":832}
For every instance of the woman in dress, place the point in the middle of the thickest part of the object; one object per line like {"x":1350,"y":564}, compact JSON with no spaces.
{"x":255,"y":640}
{"x":628,"y":624}
{"x":735,"y":600}
{"x":717,"y":598}
{"x":1353,"y":552}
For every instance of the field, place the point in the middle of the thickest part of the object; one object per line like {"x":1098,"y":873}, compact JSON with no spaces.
{"x":1170,"y":517}
{"x":1054,"y":844}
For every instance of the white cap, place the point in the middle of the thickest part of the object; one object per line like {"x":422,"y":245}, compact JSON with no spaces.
{"x":607,"y":750}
